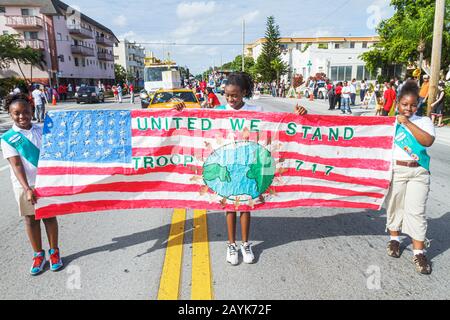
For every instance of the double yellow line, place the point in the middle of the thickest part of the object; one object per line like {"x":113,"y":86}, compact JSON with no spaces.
{"x":201,"y":287}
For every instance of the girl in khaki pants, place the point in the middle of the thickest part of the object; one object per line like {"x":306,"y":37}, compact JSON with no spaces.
{"x":410,"y":186}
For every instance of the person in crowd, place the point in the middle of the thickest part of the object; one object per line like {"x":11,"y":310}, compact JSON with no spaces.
{"x":353,"y":92}
{"x":438,"y":105}
{"x":346,"y":90}
{"x":331,"y":96}
{"x":363,"y":90}
{"x":423,"y":95}
{"x":338,"y":95}
{"x":389,"y":99}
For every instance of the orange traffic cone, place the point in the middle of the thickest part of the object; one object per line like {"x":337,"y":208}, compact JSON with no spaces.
{"x":54,"y":100}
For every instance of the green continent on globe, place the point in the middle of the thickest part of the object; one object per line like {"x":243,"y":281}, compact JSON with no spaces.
{"x":263,"y":170}
{"x":214,"y":171}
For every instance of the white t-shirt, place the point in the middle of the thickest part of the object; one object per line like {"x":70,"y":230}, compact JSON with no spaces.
{"x":423,"y":123}
{"x":353,"y":88}
{"x":346,"y":92}
{"x":35,"y":136}
{"x":246,"y":107}
{"x":37,"y":96}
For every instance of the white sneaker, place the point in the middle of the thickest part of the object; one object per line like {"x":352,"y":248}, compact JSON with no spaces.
{"x":232,"y":254}
{"x":247,"y":253}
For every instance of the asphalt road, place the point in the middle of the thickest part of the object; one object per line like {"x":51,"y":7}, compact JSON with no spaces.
{"x":305,"y":253}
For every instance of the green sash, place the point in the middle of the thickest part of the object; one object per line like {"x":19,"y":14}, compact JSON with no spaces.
{"x":24,"y":146}
{"x":406,"y":141}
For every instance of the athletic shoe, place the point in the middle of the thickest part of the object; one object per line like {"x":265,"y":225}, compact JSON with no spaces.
{"x":247,"y":253}
{"x":422,"y":265}
{"x":393,"y":249}
{"x":38,"y":263}
{"x":232,"y":254}
{"x":55,"y":260}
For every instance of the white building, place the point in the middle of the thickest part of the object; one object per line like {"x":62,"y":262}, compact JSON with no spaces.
{"x":131,"y":56}
{"x":337,"y":57}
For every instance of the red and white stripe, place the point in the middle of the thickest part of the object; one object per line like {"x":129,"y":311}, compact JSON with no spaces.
{"x":360,"y":178}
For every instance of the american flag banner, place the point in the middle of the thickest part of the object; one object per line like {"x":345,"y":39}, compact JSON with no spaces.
{"x":98,"y":160}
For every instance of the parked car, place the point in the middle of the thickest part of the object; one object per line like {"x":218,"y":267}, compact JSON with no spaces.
{"x":321,"y":92}
{"x":90,"y":94}
{"x":222,"y":86}
{"x":170,"y":97}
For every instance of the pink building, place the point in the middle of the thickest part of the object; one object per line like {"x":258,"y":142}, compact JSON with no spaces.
{"x":76,"y":49}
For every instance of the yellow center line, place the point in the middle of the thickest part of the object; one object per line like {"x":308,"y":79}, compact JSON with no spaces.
{"x":201,"y":266}
{"x":171,"y":275}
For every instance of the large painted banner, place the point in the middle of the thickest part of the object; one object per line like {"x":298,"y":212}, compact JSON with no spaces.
{"x":211,"y":159}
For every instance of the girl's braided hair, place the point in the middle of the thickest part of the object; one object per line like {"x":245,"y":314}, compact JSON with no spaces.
{"x":16,"y":98}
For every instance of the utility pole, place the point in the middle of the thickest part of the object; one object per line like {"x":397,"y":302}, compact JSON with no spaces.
{"x":243,"y":45}
{"x":436,"y":52}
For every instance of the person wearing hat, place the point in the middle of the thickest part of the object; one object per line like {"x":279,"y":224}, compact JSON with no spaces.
{"x":423,"y":95}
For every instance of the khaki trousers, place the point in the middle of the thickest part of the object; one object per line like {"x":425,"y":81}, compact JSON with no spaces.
{"x":406,"y":201}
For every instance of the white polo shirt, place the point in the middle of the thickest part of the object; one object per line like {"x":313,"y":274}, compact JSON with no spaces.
{"x":423,"y":123}
{"x":35,"y":136}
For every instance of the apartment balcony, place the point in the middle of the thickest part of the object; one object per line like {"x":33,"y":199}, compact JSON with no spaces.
{"x":24,"y":22}
{"x":34,"y":44}
{"x":80,"y":32}
{"x":105,"y":42}
{"x":82,"y":50}
{"x":105,"y":56}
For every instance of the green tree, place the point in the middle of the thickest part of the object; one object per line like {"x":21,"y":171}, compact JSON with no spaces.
{"x":11,"y":51}
{"x":120,"y":73}
{"x":269,"y":65}
{"x":409,"y":28}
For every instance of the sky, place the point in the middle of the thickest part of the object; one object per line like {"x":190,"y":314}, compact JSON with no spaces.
{"x":200,"y":34}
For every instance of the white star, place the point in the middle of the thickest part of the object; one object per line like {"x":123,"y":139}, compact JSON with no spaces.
{"x":86,"y":154}
{"x":100,"y":122}
{"x":58,"y":155}
{"x":100,"y":142}
{"x":111,"y":141}
{"x":87,"y":142}
{"x":107,"y":153}
{"x":87,"y":133}
{"x":98,"y":153}
{"x":61,"y":143}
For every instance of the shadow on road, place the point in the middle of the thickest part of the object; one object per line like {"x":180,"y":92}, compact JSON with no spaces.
{"x":276,"y":231}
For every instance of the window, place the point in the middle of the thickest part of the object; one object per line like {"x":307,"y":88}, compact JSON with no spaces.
{"x":322,"y":46}
{"x":364,"y":45}
{"x":337,"y":45}
{"x":77,"y":64}
{"x":352,"y":45}
{"x":341,"y":73}
{"x":61,"y":58}
{"x":83,"y":62}
{"x":25,"y":12}
{"x":30,"y":35}
{"x":360,"y":73}
{"x":70,"y":58}
{"x":5,"y":33}
{"x":2,"y":10}
{"x":59,"y":37}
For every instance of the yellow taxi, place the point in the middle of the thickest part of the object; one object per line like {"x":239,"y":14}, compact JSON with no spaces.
{"x":168,"y":98}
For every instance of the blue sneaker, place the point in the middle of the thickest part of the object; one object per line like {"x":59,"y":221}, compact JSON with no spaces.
{"x":55,"y":260}
{"x":38,"y":263}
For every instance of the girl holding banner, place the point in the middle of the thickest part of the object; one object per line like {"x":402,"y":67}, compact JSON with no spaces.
{"x":410,"y":186}
{"x":20,"y":147}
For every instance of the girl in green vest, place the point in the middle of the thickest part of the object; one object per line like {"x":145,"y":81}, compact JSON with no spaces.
{"x":410,"y":185}
{"x":20,"y":146}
